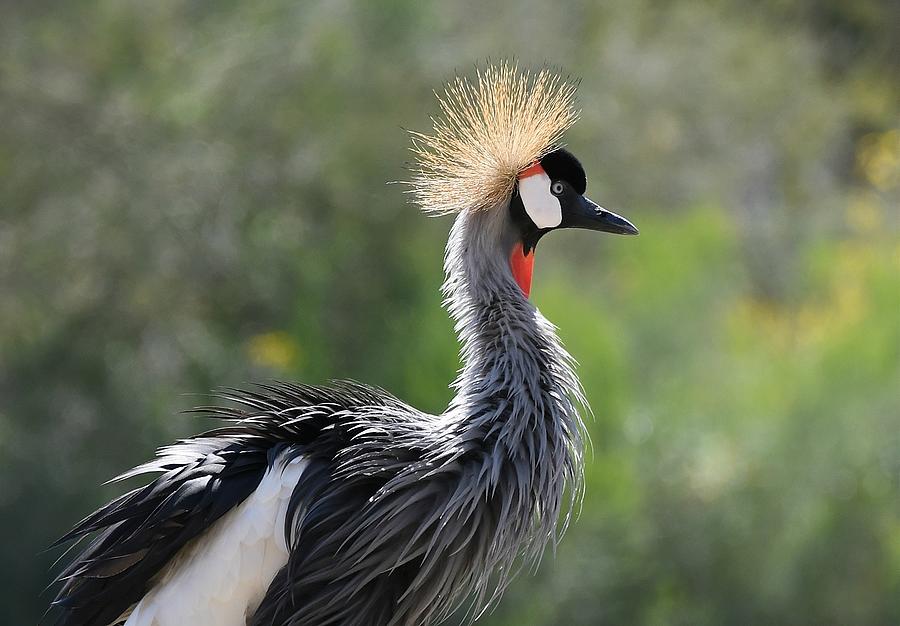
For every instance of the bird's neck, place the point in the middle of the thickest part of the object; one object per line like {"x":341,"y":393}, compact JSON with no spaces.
{"x":516,"y":393}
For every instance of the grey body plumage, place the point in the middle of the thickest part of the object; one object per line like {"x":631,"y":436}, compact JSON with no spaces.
{"x":442,"y":505}
{"x":400,"y":517}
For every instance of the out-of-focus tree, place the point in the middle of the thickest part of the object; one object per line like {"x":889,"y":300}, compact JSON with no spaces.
{"x":192,"y":196}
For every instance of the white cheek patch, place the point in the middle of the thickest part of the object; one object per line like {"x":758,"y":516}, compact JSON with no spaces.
{"x":542,"y":206}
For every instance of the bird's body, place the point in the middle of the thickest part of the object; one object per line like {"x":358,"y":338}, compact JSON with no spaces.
{"x":344,"y":505}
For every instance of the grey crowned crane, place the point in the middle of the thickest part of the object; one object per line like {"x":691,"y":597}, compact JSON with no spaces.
{"x":340,"y":504}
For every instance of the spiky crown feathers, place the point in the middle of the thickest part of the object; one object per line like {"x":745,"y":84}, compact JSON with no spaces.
{"x":489,"y":131}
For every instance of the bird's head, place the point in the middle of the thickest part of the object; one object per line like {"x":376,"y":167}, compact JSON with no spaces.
{"x":549,"y":194}
{"x":495,"y":155}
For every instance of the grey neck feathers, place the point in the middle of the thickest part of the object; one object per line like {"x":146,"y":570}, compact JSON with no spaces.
{"x":517,"y":395}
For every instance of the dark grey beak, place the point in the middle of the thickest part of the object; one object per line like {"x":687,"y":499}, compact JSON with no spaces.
{"x":590,"y":215}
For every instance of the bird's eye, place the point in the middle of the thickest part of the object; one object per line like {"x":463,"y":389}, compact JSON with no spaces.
{"x":557,"y":188}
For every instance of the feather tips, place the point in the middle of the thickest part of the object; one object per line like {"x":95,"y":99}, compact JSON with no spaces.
{"x":489,"y":131}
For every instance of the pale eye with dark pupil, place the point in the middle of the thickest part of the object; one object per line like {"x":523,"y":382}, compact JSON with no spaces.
{"x":557,"y":188}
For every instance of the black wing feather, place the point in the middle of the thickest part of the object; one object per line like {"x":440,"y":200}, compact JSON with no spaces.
{"x":143,"y":530}
{"x":133,"y":537}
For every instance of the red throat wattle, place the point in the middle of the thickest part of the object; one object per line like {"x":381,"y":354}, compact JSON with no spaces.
{"x":522,"y":266}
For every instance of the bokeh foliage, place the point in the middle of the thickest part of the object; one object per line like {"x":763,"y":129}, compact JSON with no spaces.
{"x":192,"y":195}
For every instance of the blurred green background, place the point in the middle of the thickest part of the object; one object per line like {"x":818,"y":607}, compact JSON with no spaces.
{"x":193,"y":195}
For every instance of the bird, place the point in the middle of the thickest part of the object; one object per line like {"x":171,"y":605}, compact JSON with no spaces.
{"x":339,"y":504}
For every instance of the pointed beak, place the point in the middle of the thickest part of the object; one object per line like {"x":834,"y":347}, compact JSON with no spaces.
{"x":590,"y":215}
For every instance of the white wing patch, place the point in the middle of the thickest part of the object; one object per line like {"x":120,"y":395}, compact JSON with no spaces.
{"x":221,"y":577}
{"x":542,"y":206}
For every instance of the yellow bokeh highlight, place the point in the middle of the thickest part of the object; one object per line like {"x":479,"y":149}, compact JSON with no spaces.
{"x":275,"y":350}
{"x":878,"y":159}
{"x":812,"y":322}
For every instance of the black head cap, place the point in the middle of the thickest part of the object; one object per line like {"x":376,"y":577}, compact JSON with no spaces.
{"x":562,"y":165}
